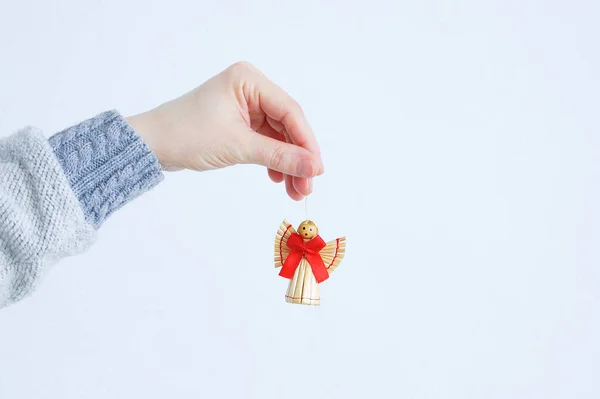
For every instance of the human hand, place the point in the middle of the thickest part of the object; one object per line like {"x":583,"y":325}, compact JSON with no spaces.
{"x":237,"y":117}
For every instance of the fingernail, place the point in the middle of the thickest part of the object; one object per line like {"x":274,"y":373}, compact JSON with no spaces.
{"x":305,"y":168}
{"x":310,"y":186}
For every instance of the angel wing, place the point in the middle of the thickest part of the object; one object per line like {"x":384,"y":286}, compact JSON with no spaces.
{"x":333,"y":253}
{"x":281,"y":250}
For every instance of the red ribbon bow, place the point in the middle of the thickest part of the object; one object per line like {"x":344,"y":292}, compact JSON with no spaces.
{"x":310,"y":250}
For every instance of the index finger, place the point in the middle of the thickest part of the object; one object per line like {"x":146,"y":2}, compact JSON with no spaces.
{"x":281,"y":107}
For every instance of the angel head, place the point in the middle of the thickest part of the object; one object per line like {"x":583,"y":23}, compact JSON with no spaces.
{"x":308,"y":230}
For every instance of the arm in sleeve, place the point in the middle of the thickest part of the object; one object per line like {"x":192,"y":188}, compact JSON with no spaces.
{"x":56,"y":193}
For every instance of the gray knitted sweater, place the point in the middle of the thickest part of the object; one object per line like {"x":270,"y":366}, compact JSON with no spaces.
{"x":55,"y":193}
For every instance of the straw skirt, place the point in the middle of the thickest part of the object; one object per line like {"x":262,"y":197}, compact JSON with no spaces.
{"x":303,"y":287}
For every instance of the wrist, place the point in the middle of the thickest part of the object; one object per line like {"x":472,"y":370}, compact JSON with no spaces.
{"x":143,"y":126}
{"x":106,"y":163}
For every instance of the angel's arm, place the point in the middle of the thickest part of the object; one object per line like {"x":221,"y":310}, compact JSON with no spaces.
{"x":281,"y":250}
{"x":333,"y":253}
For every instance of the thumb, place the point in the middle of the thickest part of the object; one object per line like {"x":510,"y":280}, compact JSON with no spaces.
{"x":283,"y":157}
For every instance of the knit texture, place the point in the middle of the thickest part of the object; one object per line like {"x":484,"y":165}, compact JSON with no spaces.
{"x":55,"y":193}
{"x":41,"y":220}
{"x":107,"y":164}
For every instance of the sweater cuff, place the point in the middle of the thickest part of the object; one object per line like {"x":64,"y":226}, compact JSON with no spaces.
{"x":107,"y":164}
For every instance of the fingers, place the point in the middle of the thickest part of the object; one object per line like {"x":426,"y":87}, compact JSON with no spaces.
{"x":302,"y":186}
{"x":284,"y":112}
{"x":286,"y":145}
{"x":276,"y":176}
{"x":296,"y":187}
{"x":291,"y":190}
{"x":266,"y":130}
{"x":298,"y":184}
{"x":276,"y":125}
{"x":282,"y":157}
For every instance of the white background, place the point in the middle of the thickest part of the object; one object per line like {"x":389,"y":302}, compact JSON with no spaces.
{"x":461,"y":146}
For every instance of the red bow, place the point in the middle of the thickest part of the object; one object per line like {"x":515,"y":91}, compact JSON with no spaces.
{"x":310,"y":250}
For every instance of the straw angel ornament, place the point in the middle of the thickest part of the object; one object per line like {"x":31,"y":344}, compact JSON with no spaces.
{"x":306,"y":260}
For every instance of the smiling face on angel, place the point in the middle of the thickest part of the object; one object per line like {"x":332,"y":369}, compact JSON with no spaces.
{"x":308,"y":230}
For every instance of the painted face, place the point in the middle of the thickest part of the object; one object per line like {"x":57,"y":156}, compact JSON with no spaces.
{"x":308,"y":230}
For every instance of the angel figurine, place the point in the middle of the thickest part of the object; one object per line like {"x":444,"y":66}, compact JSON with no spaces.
{"x":306,"y":260}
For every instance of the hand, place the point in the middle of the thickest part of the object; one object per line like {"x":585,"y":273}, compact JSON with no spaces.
{"x":237,"y":117}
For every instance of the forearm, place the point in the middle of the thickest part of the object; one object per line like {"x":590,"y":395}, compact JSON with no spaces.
{"x":54,"y":194}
